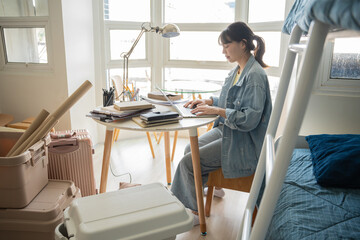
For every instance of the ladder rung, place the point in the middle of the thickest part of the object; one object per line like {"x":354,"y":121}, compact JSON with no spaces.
{"x":297,"y":48}
{"x":270,"y":156}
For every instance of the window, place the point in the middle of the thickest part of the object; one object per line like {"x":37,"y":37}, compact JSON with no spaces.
{"x":23,"y":27}
{"x":25,"y":45}
{"x":127,"y":11}
{"x":268,"y":12}
{"x":122,"y":40}
{"x":345,"y":62}
{"x":199,"y":11}
{"x":195,"y":55}
{"x":340,"y":69}
{"x":24,"y":8}
{"x":204,"y":48}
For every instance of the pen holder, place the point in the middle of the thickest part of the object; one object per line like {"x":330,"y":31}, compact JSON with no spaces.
{"x":108,"y":98}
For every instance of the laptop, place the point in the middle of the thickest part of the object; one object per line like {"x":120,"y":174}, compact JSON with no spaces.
{"x":183,"y":111}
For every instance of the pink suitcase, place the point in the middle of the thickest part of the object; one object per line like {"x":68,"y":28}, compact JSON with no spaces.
{"x":39,"y":219}
{"x":70,"y":158}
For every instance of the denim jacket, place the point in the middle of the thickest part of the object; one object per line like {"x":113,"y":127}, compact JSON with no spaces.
{"x":248,"y":108}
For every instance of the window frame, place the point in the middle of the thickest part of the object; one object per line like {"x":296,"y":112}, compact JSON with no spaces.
{"x":160,"y":60}
{"x":26,"y":22}
{"x":325,"y":85}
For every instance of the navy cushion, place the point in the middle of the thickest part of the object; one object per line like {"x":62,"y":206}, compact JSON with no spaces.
{"x":336,"y":159}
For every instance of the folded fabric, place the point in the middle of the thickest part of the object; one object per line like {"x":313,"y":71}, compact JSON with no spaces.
{"x":338,"y":13}
{"x":336,"y":159}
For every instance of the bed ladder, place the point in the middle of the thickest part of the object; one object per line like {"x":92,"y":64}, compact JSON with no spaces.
{"x":275,"y":165}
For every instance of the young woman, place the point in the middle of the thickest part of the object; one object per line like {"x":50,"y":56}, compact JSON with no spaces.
{"x":244,"y":107}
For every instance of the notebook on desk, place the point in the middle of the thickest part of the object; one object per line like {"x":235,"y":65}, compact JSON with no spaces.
{"x":183,"y":111}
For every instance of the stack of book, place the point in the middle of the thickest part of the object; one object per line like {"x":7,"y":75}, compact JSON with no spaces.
{"x":120,"y":110}
{"x":160,"y":96}
{"x":133,"y":105}
{"x":151,"y":119}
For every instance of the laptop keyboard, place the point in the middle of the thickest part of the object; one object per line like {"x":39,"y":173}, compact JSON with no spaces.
{"x":185,"y":112}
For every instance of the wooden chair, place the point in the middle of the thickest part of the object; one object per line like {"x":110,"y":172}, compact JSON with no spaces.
{"x":5,"y":119}
{"x":216,"y":179}
{"x":24,"y":124}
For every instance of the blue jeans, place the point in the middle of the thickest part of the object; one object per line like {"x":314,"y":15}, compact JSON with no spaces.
{"x":183,"y":186}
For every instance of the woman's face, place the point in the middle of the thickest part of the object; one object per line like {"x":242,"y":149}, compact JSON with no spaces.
{"x":234,"y":51}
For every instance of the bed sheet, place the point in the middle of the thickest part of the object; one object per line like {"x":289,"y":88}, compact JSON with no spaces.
{"x":343,"y":14}
{"x":305,"y":210}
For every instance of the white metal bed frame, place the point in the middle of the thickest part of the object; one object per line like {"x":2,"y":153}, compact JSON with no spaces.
{"x":275,"y":165}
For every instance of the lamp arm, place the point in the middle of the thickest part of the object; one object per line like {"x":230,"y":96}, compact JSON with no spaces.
{"x":126,"y":56}
{"x":145,"y":27}
{"x":135,"y":43}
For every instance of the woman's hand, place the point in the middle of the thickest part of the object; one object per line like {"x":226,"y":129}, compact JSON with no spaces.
{"x":205,"y":109}
{"x":198,"y":102}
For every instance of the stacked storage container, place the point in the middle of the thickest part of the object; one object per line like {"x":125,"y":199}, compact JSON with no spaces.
{"x":147,"y":212}
{"x":30,"y":205}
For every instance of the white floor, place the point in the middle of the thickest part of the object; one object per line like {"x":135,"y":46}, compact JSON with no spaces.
{"x":133,"y":158}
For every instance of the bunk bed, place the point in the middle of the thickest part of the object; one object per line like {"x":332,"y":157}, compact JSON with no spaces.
{"x":298,"y":198}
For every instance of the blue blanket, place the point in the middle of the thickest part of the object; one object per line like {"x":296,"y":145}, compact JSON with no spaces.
{"x":338,"y":13}
{"x":306,"y":210}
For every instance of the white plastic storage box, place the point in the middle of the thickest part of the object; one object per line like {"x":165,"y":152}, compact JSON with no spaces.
{"x":23,"y":176}
{"x":144,"y":212}
{"x":38,"y":220}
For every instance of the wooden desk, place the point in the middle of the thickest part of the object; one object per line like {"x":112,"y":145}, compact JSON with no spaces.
{"x":190,"y":124}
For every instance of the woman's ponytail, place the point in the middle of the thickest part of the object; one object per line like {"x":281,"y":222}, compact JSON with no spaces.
{"x":260,"y":50}
{"x":240,"y":31}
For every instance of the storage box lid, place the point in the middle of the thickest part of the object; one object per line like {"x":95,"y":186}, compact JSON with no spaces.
{"x":46,"y":206}
{"x":146,"y":212}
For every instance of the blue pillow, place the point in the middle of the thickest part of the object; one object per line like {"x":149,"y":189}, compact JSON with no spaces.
{"x":336,"y":159}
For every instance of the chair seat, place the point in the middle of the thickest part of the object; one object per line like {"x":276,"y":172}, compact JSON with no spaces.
{"x":19,"y":125}
{"x":5,"y":119}
{"x":217,"y":179}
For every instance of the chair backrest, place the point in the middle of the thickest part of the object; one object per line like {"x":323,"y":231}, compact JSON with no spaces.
{"x":118,"y":85}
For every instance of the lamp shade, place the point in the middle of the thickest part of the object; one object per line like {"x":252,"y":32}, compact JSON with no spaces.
{"x":170,"y":30}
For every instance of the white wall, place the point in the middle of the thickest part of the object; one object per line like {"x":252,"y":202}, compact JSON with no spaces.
{"x":332,"y":114}
{"x":325,"y":113}
{"x":24,"y":94}
{"x":79,"y":56}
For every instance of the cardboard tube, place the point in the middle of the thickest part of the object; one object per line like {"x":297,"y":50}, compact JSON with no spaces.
{"x":53,"y":118}
{"x":70,"y":101}
{"x":34,"y":125}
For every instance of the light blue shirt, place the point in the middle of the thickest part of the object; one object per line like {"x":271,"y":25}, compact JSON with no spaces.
{"x":248,"y":108}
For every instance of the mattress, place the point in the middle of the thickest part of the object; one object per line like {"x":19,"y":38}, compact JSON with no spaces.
{"x":342,"y":14}
{"x":305,"y":210}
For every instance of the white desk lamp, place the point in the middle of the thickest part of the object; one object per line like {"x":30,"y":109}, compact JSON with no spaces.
{"x":168,"y":31}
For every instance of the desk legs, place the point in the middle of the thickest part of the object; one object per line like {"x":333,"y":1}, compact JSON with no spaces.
{"x":167,"y":157}
{"x":106,"y":159}
{"x":194,"y":144}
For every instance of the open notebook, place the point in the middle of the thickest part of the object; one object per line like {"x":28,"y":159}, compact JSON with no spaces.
{"x":183,"y":111}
